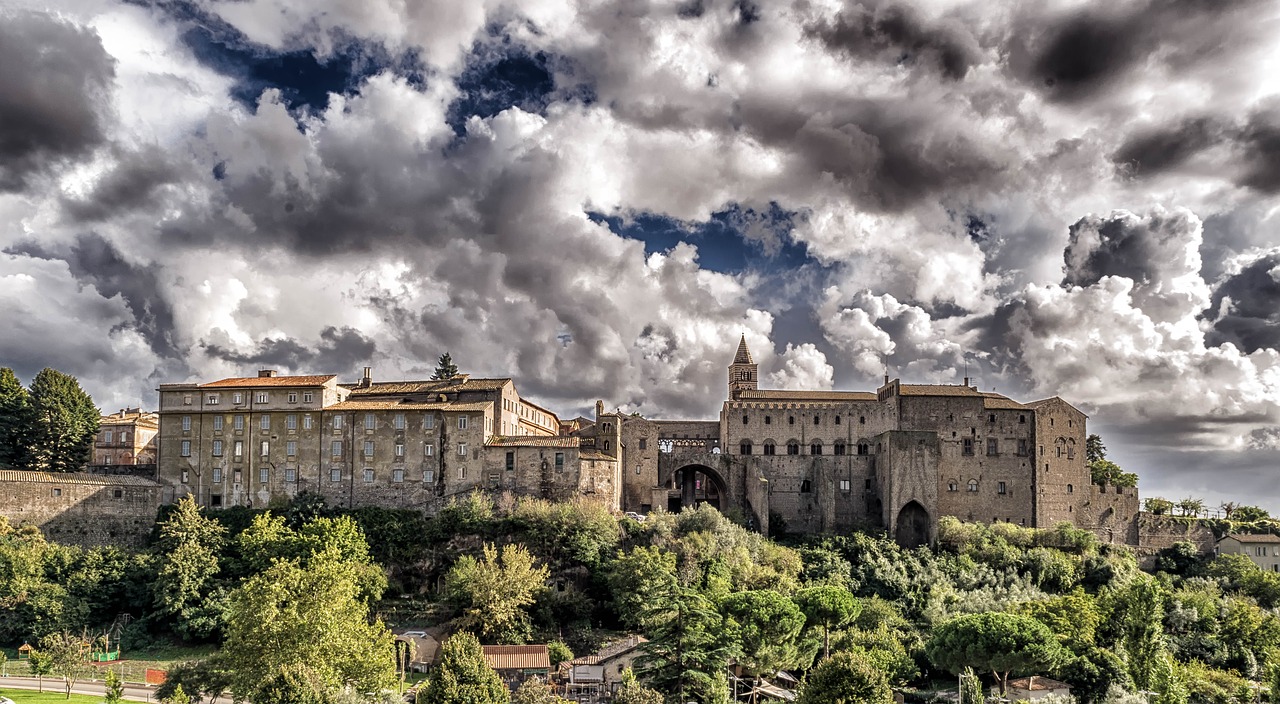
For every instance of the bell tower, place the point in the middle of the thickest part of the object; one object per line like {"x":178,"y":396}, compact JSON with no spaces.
{"x":742,"y":373}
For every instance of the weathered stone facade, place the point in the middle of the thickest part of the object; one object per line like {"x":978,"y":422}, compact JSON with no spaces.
{"x":126,"y":438}
{"x":81,"y":509}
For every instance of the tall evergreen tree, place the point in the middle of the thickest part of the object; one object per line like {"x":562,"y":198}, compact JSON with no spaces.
{"x":445,"y":368}
{"x":66,"y":422}
{"x":17,"y":422}
{"x":688,"y":645}
{"x":463,"y":677}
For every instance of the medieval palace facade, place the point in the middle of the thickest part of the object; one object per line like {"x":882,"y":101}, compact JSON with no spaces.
{"x":820,"y":461}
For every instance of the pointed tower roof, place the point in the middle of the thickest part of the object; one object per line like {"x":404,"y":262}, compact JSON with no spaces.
{"x":744,"y":355}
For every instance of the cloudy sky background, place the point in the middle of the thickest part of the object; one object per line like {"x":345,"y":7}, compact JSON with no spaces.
{"x":597,"y":198}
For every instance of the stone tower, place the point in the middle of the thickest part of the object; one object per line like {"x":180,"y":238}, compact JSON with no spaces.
{"x":742,"y":373}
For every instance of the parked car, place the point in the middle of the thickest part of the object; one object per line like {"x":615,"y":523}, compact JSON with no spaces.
{"x":635,"y":516}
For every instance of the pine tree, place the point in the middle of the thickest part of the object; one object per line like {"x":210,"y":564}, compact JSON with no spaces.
{"x":66,"y":422}
{"x":17,"y":422}
{"x":688,"y":644}
{"x":445,"y":368}
{"x":463,"y":677}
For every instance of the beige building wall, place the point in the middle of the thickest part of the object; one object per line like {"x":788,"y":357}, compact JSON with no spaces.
{"x":1063,"y":480}
{"x":126,"y":438}
{"x":1263,"y":550}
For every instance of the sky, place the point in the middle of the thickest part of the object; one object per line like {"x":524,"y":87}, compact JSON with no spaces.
{"x":597,"y":198}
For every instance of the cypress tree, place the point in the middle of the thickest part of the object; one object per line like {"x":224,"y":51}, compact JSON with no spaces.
{"x":17,"y":422}
{"x":463,"y":676}
{"x":66,"y":422}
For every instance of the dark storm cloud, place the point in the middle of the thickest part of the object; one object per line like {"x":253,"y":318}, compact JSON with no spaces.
{"x":1247,"y":306}
{"x":1259,"y":146}
{"x":53,"y":88}
{"x":1165,"y":148}
{"x":896,"y":33}
{"x":1078,"y":56}
{"x":1120,"y":245}
{"x":339,"y":352}
{"x":132,"y":184}
{"x":97,"y":262}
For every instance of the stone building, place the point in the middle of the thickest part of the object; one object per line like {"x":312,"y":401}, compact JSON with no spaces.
{"x":77,"y":508}
{"x":126,"y":438}
{"x":251,"y":441}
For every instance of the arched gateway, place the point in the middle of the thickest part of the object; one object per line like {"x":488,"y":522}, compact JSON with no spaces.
{"x":912,"y":526}
{"x":697,"y":484}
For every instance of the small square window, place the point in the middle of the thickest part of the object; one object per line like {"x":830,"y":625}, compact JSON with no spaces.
{"x":397,"y":475}
{"x":290,"y":474}
{"x":215,"y":500}
{"x":262,"y":397}
{"x":307,"y":397}
{"x":368,"y":475}
{"x":293,"y":397}
{"x":462,"y":422}
{"x":237,"y":398}
{"x":428,"y":476}
{"x":56,"y":492}
{"x":844,"y":485}
{"x":335,"y":475}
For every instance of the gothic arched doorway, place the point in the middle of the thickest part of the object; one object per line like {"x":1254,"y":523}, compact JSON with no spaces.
{"x":912,"y":526}
{"x":696,"y":484}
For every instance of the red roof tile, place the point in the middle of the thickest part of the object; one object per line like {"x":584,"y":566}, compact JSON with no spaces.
{"x":517,"y":657}
{"x":275,"y":381}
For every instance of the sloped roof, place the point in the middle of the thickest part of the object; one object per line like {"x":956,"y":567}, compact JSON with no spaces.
{"x":595,"y":455}
{"x":792,"y":395}
{"x":24,"y":475}
{"x":517,"y":657}
{"x":373,"y":404}
{"x":743,"y":355}
{"x":996,"y":401}
{"x":255,"y":381}
{"x":1254,"y":537}
{"x":534,"y":441}
{"x":611,"y":651}
{"x":1037,"y":684}
{"x":936,"y":390}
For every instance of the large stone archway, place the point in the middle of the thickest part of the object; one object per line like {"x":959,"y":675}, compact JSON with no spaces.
{"x":912,"y":526}
{"x":697,"y":484}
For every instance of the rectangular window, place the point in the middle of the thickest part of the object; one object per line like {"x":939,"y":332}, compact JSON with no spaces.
{"x":428,"y":450}
{"x":293,"y":397}
{"x":264,"y":475}
{"x":511,"y":461}
{"x":644,"y":444}
{"x":993,"y":447}
{"x":106,"y":436}
{"x":186,"y":399}
{"x":237,"y":398}
{"x":428,"y":421}
{"x":428,"y":476}
{"x":335,"y":448}
{"x":306,"y":421}
{"x":290,"y":474}
{"x":397,"y":475}
{"x":1001,"y":488}
{"x":462,"y":472}
{"x":844,"y":485}
{"x":291,"y":422}
{"x":462,"y":422}
{"x":186,"y":476}
{"x":368,"y":475}
{"x":368,"y":448}
{"x":212,"y":399}
{"x":186,"y":423}
{"x":235,"y":475}
{"x":215,"y":500}
{"x":493,"y":478}
{"x":238,"y":422}
{"x":262,"y":397}
{"x":217,"y":475}
{"x":559,"y":461}
{"x":335,"y":475}
{"x":56,"y":492}
{"x":637,"y":467}
{"x":370,"y":421}
{"x":337,"y":422}
{"x":1071,"y":452}
{"x":264,"y":422}
{"x":398,"y":421}
{"x":307,"y":397}
{"x":399,"y":450}
{"x":186,"y":448}
{"x":291,"y":448}
{"x":266,"y":448}
{"x":462,"y":449}
{"x":1022,"y":448}
{"x":968,"y":446}
{"x":217,"y":424}
{"x":237,"y":449}
{"x":217,"y":448}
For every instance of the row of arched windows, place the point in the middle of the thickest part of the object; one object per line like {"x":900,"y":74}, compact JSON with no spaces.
{"x":816,"y":447}
{"x":791,"y":420}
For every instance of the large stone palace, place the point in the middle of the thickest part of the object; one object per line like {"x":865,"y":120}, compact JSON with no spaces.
{"x":819,"y":461}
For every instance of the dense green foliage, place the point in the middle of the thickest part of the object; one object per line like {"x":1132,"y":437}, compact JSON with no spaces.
{"x":445,"y":368}
{"x":845,"y":678}
{"x":463,"y":677}
{"x":17,"y":422}
{"x":50,"y":427}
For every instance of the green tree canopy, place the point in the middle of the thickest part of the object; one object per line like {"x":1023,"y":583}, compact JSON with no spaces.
{"x":765,"y":626}
{"x":495,"y":592}
{"x":688,"y":646}
{"x":827,"y":607}
{"x":445,"y":368}
{"x":1250,"y":514}
{"x":1157,"y":505}
{"x":845,"y":678}
{"x":188,"y":550}
{"x":463,"y":677}
{"x":1000,"y":643}
{"x":17,"y":422}
{"x":536,"y":690}
{"x":66,"y":422}
{"x":1108,"y":472}
{"x":114,"y":693}
{"x":1137,"y":612}
{"x":632,"y":692}
{"x":305,"y":625}
{"x":1094,"y":450}
{"x":637,"y":578}
{"x":67,"y":654}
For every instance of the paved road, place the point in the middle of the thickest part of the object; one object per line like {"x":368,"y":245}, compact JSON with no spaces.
{"x":132,"y":692}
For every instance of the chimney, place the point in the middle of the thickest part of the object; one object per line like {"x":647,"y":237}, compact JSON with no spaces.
{"x":966,"y":381}
{"x":266,"y":373}
{"x":367,"y":380}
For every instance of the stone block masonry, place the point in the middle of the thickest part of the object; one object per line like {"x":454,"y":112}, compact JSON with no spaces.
{"x":81,"y":508}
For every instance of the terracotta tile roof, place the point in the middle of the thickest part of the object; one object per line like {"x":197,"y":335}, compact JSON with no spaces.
{"x":595,"y":455}
{"x":611,"y":651}
{"x":484,"y":384}
{"x":1254,"y":538}
{"x":23,"y":475}
{"x":997,"y":401}
{"x":517,"y":657}
{"x":254,"y":381}
{"x":936,"y":390}
{"x":1037,"y":684}
{"x":788,"y":395}
{"x":469,"y":407}
{"x":533,"y":441}
{"x":389,"y":387}
{"x":386,"y":405}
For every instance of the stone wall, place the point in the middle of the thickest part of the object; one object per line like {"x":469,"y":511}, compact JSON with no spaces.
{"x":1158,"y":532}
{"x":81,"y":508}
{"x":1112,"y":512}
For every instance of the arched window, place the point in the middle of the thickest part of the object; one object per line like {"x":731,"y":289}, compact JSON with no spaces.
{"x":864,"y":448}
{"x":1071,"y":489}
{"x":953,"y":485}
{"x":815,"y":447}
{"x":791,"y":420}
{"x":745,"y":447}
{"x":770,"y":448}
{"x":816,"y":420}
{"x":793,"y":447}
{"x":839,"y":447}
{"x":768,"y":420}
{"x":862,"y":420}
{"x":973,"y":485}
{"x":837,"y":420}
